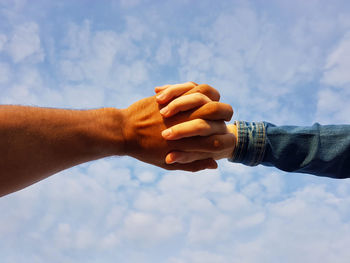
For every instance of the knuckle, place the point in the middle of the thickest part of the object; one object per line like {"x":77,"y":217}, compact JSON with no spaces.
{"x":216,"y":145}
{"x":216,"y":95}
{"x":205,"y":88}
{"x":200,"y":97}
{"x":166,"y":92}
{"x":229,"y":110}
{"x":209,"y":91}
{"x":214,"y":107}
{"x":196,"y":96}
{"x":220,"y":109}
{"x":172,"y":106}
{"x":220,"y":126}
{"x":175,"y":131}
{"x":185,"y":158}
{"x":191,"y":83}
{"x":201,"y":125}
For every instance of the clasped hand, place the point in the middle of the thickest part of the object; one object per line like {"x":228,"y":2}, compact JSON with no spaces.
{"x":181,"y":128}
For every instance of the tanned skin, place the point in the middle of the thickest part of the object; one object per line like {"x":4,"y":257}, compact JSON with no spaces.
{"x":38,"y":142}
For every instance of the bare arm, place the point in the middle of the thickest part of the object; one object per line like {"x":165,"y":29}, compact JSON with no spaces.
{"x":38,"y":142}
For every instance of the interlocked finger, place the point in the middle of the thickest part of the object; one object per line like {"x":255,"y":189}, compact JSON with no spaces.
{"x":173,"y":91}
{"x":184,"y":103}
{"x":197,"y":127}
{"x":193,"y":166}
{"x":160,"y":88}
{"x":186,"y":157}
{"x":211,"y":144}
{"x":213,"y":111}
{"x":207,"y":90}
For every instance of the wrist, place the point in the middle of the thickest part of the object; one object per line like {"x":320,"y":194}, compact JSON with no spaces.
{"x":232,"y":128}
{"x":109,"y":126}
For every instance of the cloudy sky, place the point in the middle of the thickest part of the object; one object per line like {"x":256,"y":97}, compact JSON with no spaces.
{"x":281,"y":61}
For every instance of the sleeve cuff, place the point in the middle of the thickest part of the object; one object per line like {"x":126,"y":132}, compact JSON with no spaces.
{"x":251,"y":143}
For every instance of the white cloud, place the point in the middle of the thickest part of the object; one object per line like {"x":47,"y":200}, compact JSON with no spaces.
{"x":25,"y":42}
{"x":89,"y":55}
{"x":5,"y":73}
{"x":25,"y":88}
{"x":115,"y":216}
{"x":250,"y":221}
{"x":71,"y":70}
{"x":96,"y":61}
{"x":298,"y":220}
{"x":85,"y":239}
{"x":136,"y":29}
{"x":200,"y":256}
{"x":111,"y":174}
{"x":204,"y":230}
{"x":147,"y":228}
{"x":164,"y":52}
{"x":83,"y":96}
{"x":3,"y":40}
{"x":63,"y":236}
{"x":129,"y":3}
{"x":120,"y":210}
{"x":297,"y":223}
{"x":133,"y":74}
{"x":233,"y":203}
{"x":200,"y":213}
{"x":196,"y":60}
{"x":338,"y":64}
{"x":147,"y":177}
{"x":333,"y":106}
{"x":256,"y":63}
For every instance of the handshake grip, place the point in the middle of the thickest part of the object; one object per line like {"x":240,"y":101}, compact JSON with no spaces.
{"x":181,"y":128}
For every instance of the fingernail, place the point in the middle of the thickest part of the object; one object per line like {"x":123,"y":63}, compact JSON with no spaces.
{"x":166,"y":133}
{"x":164,"y":111}
{"x":170,"y":159}
{"x":161,"y":96}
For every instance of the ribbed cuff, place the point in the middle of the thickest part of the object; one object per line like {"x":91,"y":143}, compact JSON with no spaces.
{"x":251,"y":143}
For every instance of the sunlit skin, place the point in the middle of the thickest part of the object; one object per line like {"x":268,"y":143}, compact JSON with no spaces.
{"x":168,"y":98}
{"x":38,"y":142}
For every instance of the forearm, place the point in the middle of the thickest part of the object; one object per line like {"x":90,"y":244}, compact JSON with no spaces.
{"x":319,"y":150}
{"x":38,"y":142}
{"x":322,"y":150}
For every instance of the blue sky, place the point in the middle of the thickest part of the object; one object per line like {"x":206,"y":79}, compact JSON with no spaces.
{"x":281,"y":61}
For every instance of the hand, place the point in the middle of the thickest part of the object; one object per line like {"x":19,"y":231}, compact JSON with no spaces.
{"x":192,"y":99}
{"x":143,"y":125}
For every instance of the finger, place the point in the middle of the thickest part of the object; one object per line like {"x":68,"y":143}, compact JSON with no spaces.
{"x":184,"y":103}
{"x":160,"y":88}
{"x":213,"y":111}
{"x":194,"y":166}
{"x":174,"y":91}
{"x":210,"y":144}
{"x":197,"y":127}
{"x":207,"y":90}
{"x":186,"y":157}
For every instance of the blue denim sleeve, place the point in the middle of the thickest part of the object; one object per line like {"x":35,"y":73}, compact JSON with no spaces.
{"x":322,"y":150}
